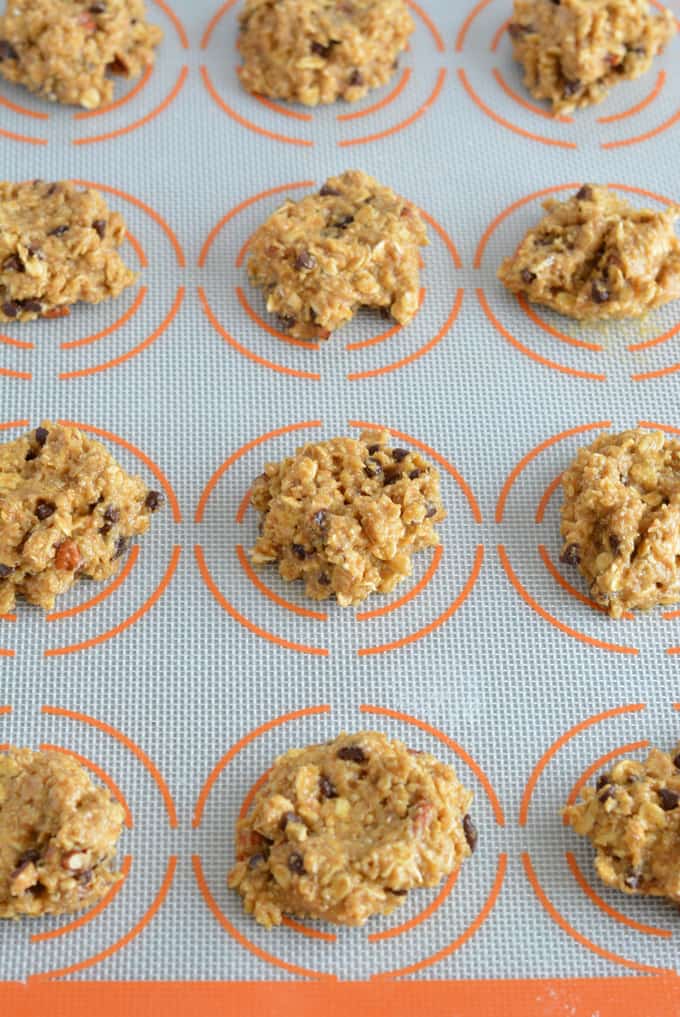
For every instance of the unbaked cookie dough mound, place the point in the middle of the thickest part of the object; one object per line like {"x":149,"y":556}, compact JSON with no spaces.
{"x":354,"y":244}
{"x":343,"y":831}
{"x":596,"y":256}
{"x":58,"y":245}
{"x":575,"y":51}
{"x":346,"y":515}
{"x":58,"y":835}
{"x":317,"y":51}
{"x":632,"y":817}
{"x":63,"y":49}
{"x":621,"y":519}
{"x":67,"y":509}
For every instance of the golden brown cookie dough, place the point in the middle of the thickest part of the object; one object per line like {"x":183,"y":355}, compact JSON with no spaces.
{"x":67,"y":510}
{"x":574,"y":51}
{"x":63,"y":49}
{"x":58,"y":245}
{"x":632,"y":817}
{"x":343,"y":831}
{"x":317,"y":51}
{"x":58,"y":835}
{"x":621,"y":519}
{"x":354,"y":244}
{"x":596,"y":256}
{"x":346,"y":515}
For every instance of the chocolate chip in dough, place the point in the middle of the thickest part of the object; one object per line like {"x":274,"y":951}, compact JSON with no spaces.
{"x":305,"y":261}
{"x":296,"y":863}
{"x":41,"y":434}
{"x":45,"y":509}
{"x":153,"y":500}
{"x":669,"y":799}
{"x":58,"y":231}
{"x":7,"y":51}
{"x":352,"y":754}
{"x":470,"y":831}
{"x":327,"y":787}
{"x":99,"y":226}
{"x":571,"y":555}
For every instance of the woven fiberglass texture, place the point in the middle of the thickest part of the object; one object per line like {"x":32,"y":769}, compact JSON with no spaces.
{"x":493,"y":661}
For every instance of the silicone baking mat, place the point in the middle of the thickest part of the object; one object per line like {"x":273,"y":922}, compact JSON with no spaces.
{"x":179,"y":682}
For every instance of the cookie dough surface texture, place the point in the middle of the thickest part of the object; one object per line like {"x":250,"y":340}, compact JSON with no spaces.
{"x":574,"y":51}
{"x":632,"y":818}
{"x":621,"y":519}
{"x":354,"y":244}
{"x":58,"y":245}
{"x":67,"y":509}
{"x":343,"y":831}
{"x":58,"y":835}
{"x":596,"y":256}
{"x":346,"y":515}
{"x":317,"y":51}
{"x":63,"y":49}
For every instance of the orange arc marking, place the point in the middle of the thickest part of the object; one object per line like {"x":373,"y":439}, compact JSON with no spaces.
{"x":21,"y":375}
{"x":618,"y":916}
{"x":647,"y":136}
{"x":105,"y":593}
{"x":561,"y":581}
{"x":131,"y":311}
{"x":22,"y":137}
{"x":243,"y":507}
{"x":575,"y":633}
{"x":101,"y":773}
{"x":8,"y":425}
{"x":464,"y":937}
{"x":243,"y":301}
{"x":256,"y":733}
{"x":256,"y":581}
{"x":246,"y":622}
{"x":85,"y":919}
{"x":8,"y":617}
{"x":327,"y":937}
{"x":228,"y":338}
{"x":571,"y":931}
{"x":376,"y":340}
{"x":418,"y":588}
{"x":650,"y":375}
{"x":465,"y":28}
{"x":18,"y":343}
{"x":397,"y":930}
{"x":137,"y":248}
{"x":547,"y":495}
{"x":127,"y":938}
{"x":143,"y":81}
{"x":496,"y":41}
{"x":394,"y":94}
{"x":562,"y":368}
{"x":655,"y":342}
{"x":417,"y":354}
{"x":524,"y":103}
{"x":7,"y":653}
{"x":58,"y":711}
{"x":237,"y":209}
{"x":241,"y":939}
{"x":148,"y":462}
{"x":555,"y":333}
{"x":103,"y":637}
{"x":465,"y":488}
{"x":213,"y":22}
{"x":212,"y":91}
{"x":403,"y":124}
{"x":438,"y":41}
{"x":136,"y":350}
{"x":502,"y":216}
{"x":453,"y":251}
{"x":560,"y":742}
{"x":16,"y":108}
{"x":172,"y":95}
{"x":653,"y":426}
{"x":179,"y":27}
{"x":660,"y":82}
{"x":277,"y":108}
{"x":535,"y":452}
{"x":553,"y":142}
{"x":151,"y":212}
{"x":406,"y":718}
{"x":599,"y":765}
{"x":244,"y":450}
{"x":5,"y":709}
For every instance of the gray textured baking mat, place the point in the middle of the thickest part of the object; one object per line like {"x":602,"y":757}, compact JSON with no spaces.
{"x":187,"y":673}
